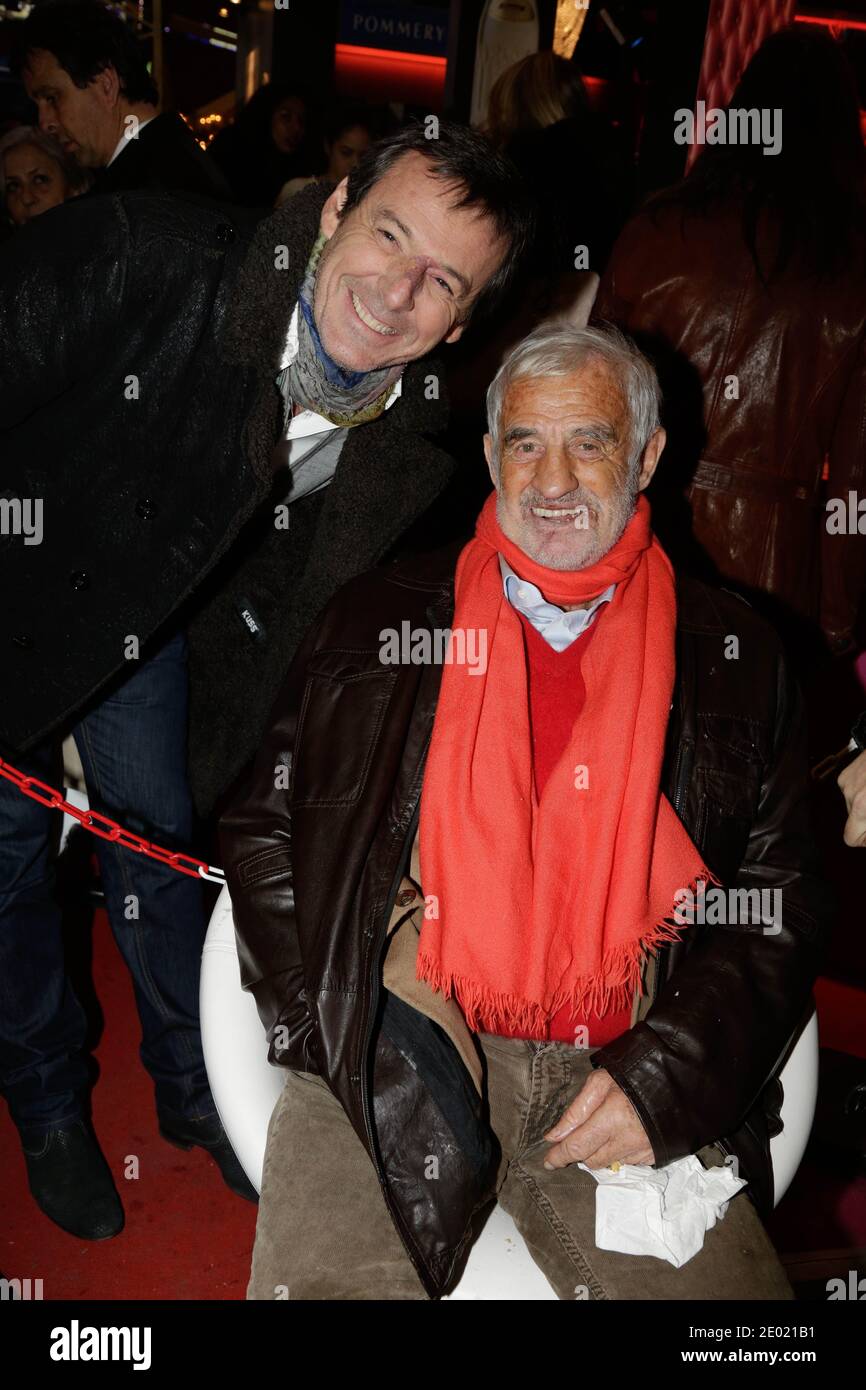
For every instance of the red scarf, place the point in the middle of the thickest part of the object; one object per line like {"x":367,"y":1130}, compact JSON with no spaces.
{"x":536,"y":905}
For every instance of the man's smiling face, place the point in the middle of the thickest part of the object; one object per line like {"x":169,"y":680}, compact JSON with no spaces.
{"x":401,"y":269}
{"x":566,"y":488}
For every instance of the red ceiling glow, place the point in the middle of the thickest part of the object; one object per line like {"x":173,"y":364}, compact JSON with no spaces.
{"x":381,"y":74}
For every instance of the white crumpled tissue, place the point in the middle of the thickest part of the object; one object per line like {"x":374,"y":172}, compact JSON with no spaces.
{"x":664,"y":1212}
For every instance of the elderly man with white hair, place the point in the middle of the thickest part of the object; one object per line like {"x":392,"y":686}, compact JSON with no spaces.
{"x":456,"y":882}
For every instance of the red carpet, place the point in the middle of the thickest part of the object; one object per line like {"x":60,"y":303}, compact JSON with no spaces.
{"x":186,"y":1235}
{"x":841,"y":1016}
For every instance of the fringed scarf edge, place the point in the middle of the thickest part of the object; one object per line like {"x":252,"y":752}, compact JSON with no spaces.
{"x":611,"y":989}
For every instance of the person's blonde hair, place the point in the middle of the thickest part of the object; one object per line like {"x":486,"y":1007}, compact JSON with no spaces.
{"x":535,"y":92}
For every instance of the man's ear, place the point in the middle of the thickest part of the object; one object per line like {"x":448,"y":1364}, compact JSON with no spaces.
{"x":456,"y":332}
{"x":106,"y":86}
{"x":330,"y":219}
{"x":491,"y":462}
{"x":651,"y":455}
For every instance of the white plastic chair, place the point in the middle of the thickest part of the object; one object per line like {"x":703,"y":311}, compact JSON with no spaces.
{"x":246,"y":1087}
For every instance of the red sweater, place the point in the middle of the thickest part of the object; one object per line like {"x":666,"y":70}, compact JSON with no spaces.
{"x":556,"y":696}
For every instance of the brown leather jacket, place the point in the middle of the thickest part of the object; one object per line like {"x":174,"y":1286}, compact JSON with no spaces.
{"x":762,"y":386}
{"x":317,"y":843}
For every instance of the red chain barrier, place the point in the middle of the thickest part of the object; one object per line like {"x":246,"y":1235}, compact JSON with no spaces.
{"x":108,"y":829}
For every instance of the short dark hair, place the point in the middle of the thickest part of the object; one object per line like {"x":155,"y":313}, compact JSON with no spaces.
{"x":342,"y":118}
{"x":86,"y":38}
{"x":490,"y":182}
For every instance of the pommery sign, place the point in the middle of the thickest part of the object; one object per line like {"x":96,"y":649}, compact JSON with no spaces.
{"x":405,"y":28}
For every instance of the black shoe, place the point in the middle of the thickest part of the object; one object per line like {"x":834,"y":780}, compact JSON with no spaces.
{"x":209,"y":1135}
{"x":72,"y":1183}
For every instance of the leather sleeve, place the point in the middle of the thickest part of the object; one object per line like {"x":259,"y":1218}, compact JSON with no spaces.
{"x":255,"y":836}
{"x":713,"y":1038}
{"x":62,"y":282}
{"x":843,"y":557}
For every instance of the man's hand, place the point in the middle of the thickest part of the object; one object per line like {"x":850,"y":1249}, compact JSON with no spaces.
{"x":852,"y":783}
{"x":599,"y":1127}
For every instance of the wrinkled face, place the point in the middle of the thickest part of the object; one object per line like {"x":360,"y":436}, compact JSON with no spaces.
{"x":345,"y":152}
{"x":34,"y":183}
{"x":84,"y":120}
{"x":401,"y":270}
{"x":288,"y":123}
{"x":565,"y":489}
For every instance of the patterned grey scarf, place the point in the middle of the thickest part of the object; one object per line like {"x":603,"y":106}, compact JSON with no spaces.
{"x":316,"y":382}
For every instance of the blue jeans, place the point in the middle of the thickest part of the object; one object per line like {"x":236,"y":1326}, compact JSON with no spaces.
{"x":133,"y":751}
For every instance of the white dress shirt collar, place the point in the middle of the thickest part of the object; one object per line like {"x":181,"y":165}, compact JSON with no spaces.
{"x":125,"y":139}
{"x":558,"y":626}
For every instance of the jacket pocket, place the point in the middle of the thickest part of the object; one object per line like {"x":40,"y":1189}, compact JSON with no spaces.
{"x":726,"y":811}
{"x":723,"y":837}
{"x":263,"y":865}
{"x":343,"y":710}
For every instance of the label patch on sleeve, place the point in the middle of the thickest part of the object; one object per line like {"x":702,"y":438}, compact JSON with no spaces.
{"x":250,"y":620}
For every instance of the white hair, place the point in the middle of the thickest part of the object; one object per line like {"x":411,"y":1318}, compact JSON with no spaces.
{"x":77,"y":179}
{"x":557,"y":350}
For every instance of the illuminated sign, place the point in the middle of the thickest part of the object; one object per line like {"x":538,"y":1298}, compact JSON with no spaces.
{"x":404,"y":28}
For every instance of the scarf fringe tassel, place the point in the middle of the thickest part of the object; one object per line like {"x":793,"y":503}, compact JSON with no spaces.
{"x":609,"y":991}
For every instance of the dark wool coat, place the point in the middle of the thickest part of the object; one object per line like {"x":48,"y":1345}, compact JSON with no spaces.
{"x":261,"y":601}
{"x":138,"y":340}
{"x":119,"y":416}
{"x":164,"y":156}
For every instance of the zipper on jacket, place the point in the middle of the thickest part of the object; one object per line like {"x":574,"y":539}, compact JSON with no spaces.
{"x":682,"y":773}
{"x":683,"y":766}
{"x":685,"y":747}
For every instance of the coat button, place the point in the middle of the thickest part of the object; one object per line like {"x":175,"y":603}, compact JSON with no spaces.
{"x":406,"y":897}
{"x":79,"y":579}
{"x":22,"y":640}
{"x":146,"y":508}
{"x":225,"y":234}
{"x":355,"y":1078}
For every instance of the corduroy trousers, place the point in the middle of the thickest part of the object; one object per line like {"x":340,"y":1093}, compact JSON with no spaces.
{"x":325,"y":1233}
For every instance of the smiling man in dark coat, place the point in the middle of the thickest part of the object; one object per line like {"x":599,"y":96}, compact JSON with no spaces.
{"x":169,"y":382}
